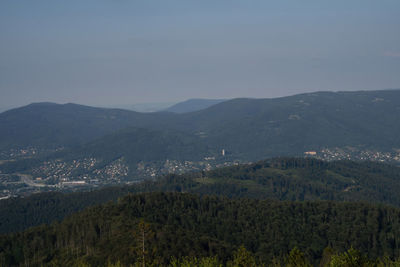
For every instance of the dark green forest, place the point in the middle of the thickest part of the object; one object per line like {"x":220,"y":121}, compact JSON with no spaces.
{"x":178,"y":225}
{"x":293,"y":179}
{"x":276,"y":212}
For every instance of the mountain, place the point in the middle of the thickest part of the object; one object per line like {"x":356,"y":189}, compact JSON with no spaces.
{"x":257,"y":128}
{"x":56,"y":125}
{"x":253,"y":129}
{"x":284,"y":179}
{"x":247,"y":129}
{"x":5,"y":108}
{"x":174,"y":225}
{"x":191,"y":105}
{"x":144,"y":107}
{"x":141,"y":144}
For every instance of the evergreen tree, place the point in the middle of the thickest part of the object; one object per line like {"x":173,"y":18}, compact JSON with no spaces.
{"x":296,"y":258}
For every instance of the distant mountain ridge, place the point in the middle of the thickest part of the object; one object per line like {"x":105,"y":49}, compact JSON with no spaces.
{"x":194,"y":104}
{"x":53,"y":125}
{"x":247,"y":129}
{"x":144,"y":107}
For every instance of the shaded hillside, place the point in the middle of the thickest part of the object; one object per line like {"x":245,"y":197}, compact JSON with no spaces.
{"x":54,"y":125}
{"x":247,"y":129}
{"x":20,"y":213}
{"x":191,"y":105}
{"x":253,"y":129}
{"x":139,"y":144}
{"x":279,"y":179}
{"x":304,"y":179}
{"x":257,"y":128}
{"x":186,"y":225}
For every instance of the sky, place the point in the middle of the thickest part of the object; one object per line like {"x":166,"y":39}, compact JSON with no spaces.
{"x":121,"y":52}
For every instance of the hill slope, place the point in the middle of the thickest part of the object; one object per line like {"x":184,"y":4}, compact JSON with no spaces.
{"x":279,"y":179}
{"x":186,"y":225}
{"x":55,"y":125}
{"x":253,"y":129}
{"x":247,"y":129}
{"x":141,"y":144}
{"x":259,"y":128}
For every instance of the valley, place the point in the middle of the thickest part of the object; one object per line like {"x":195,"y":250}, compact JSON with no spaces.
{"x":199,"y":133}
{"x":90,"y":173}
{"x":73,"y":147}
{"x":304,"y":161}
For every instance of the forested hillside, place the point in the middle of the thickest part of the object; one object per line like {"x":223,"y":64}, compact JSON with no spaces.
{"x":177,"y":225}
{"x":260,"y":128}
{"x":49,"y":125}
{"x":248,"y":129}
{"x":279,"y":179}
{"x":143,"y":145}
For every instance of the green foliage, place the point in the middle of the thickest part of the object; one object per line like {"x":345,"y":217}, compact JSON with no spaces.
{"x":116,"y":264}
{"x":326,"y":256}
{"x":243,"y":258}
{"x":186,"y":225}
{"x":23,"y":212}
{"x":196,"y":262}
{"x":296,"y":259}
{"x":350,"y":258}
{"x":83,"y":263}
{"x":281,"y":179}
{"x":387,"y":262}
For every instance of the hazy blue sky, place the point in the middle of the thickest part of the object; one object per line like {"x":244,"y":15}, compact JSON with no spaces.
{"x":125,"y":51}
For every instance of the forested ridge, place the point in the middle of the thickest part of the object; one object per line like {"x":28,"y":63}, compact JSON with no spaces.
{"x":249,"y":129}
{"x":176,"y":225}
{"x":294,"y":179}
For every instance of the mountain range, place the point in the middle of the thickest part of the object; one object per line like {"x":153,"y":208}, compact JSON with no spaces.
{"x":246,"y":129}
{"x":255,"y":211}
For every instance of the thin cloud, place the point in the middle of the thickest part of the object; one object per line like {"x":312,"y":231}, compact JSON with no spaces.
{"x":392,"y":54}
